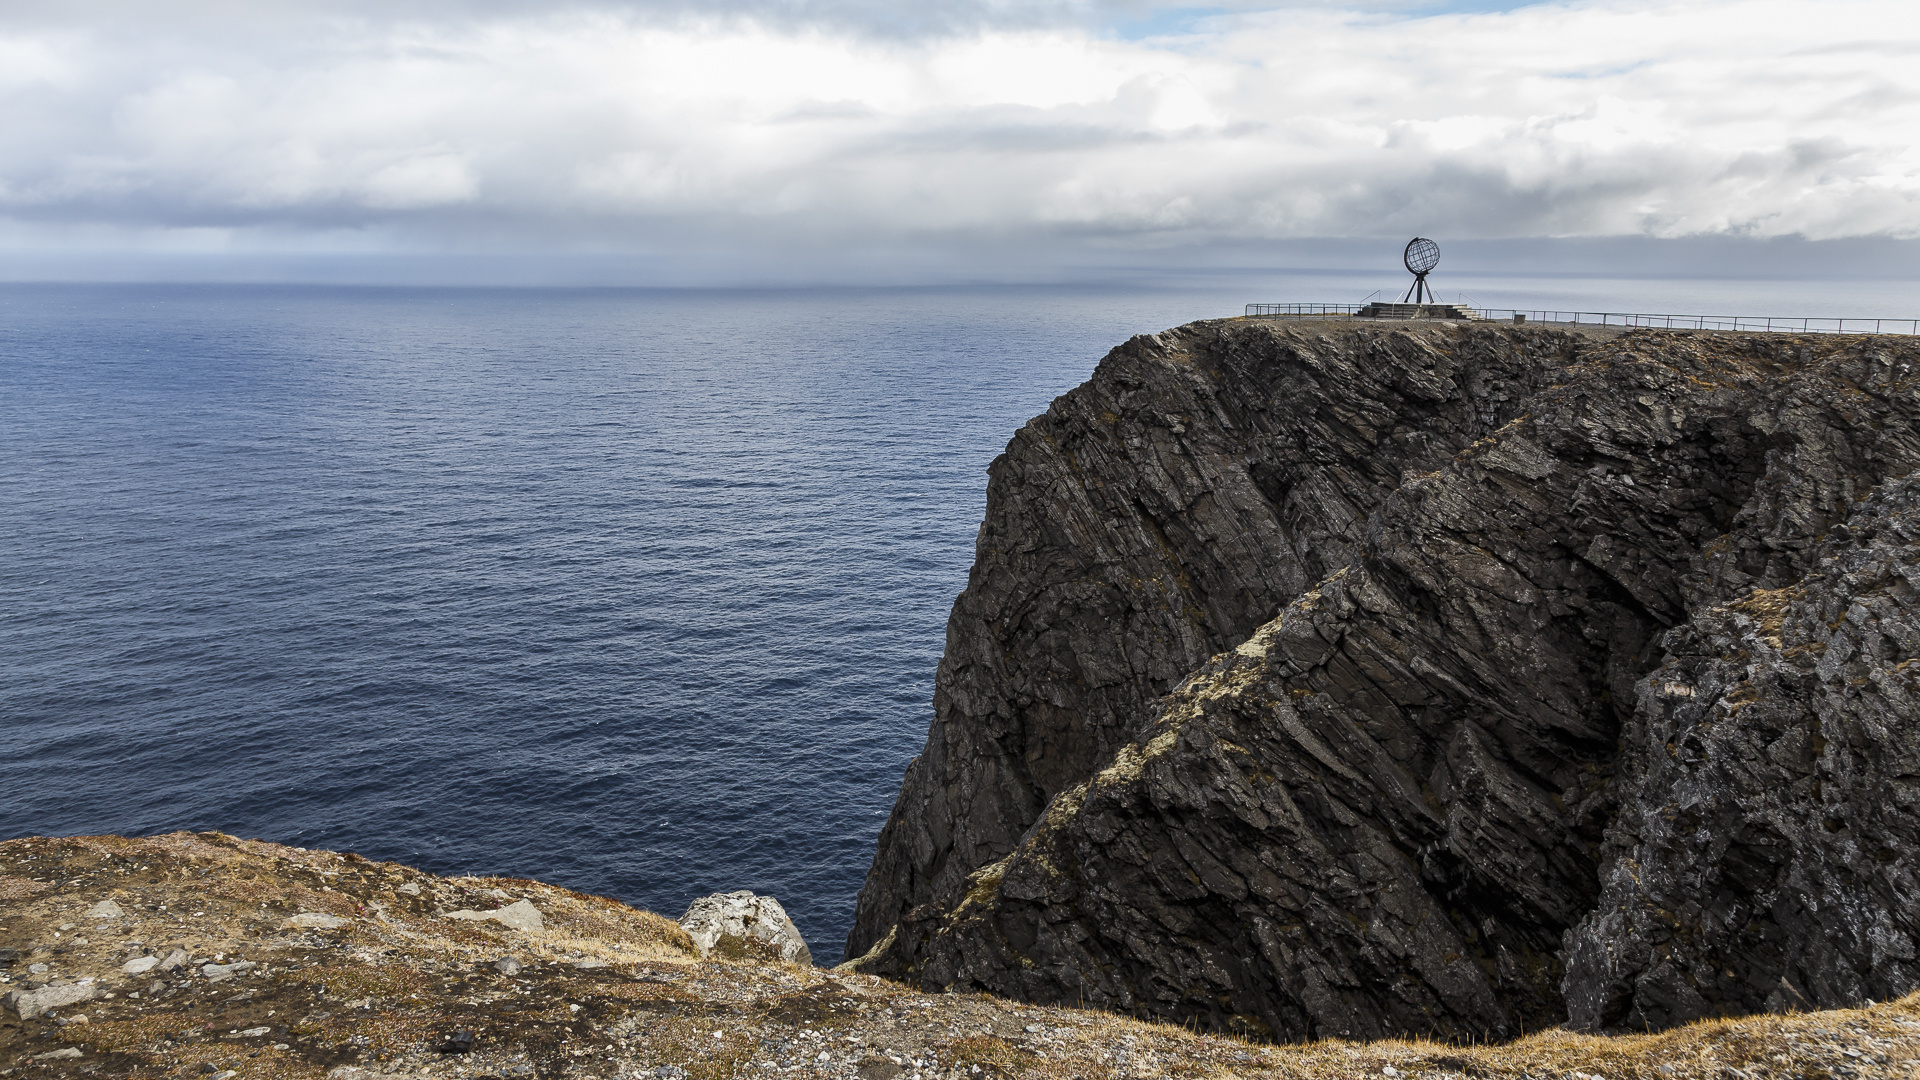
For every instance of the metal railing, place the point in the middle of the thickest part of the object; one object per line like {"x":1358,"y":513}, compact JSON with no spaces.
{"x":1304,"y":309}
{"x":1740,"y":323}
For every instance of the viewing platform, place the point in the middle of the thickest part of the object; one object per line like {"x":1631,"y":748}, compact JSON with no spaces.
{"x":1614,"y":320}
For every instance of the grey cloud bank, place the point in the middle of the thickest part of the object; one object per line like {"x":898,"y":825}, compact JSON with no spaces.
{"x":800,"y":143}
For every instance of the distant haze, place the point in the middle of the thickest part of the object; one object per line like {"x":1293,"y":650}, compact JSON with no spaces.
{"x":760,"y":141}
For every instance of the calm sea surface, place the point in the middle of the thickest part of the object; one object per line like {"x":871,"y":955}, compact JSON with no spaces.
{"x":639,"y":592}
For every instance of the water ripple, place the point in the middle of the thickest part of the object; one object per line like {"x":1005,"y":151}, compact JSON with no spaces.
{"x":638,"y":592}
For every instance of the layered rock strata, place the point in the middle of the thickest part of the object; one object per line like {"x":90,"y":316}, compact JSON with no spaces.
{"x":1555,"y":678}
{"x":1153,"y":517}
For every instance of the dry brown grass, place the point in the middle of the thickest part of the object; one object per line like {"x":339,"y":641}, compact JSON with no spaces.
{"x":383,"y":993}
{"x":988,"y":1052}
{"x":1885,"y":1038}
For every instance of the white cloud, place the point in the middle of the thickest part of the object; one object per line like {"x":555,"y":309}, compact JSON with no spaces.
{"x":610,"y":126}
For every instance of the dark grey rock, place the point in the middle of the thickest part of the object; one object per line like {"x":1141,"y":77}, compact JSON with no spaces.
{"x":1764,"y":854}
{"x":1155,"y":516}
{"x":1581,"y":688}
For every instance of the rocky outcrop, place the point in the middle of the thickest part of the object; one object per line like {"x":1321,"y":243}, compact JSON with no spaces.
{"x":740,"y":925}
{"x":1589,"y":700}
{"x":1153,"y":517}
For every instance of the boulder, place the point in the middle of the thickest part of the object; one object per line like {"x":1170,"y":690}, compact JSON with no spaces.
{"x":740,"y":925}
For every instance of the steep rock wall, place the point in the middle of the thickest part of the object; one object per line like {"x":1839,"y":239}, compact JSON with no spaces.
{"x":1455,"y":786}
{"x":1151,"y":518}
{"x":1765,"y":853}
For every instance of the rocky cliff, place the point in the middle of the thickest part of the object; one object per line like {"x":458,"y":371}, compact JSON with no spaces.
{"x":1459,"y":680}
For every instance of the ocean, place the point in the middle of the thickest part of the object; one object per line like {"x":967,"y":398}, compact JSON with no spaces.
{"x":634,"y":591}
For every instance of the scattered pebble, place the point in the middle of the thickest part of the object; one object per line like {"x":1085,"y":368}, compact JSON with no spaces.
{"x":219,"y":972}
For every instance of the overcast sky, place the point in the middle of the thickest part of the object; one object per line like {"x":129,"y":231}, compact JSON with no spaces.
{"x":897,"y":133}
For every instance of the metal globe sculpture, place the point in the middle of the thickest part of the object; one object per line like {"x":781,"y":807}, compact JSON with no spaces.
{"x":1421,"y":256}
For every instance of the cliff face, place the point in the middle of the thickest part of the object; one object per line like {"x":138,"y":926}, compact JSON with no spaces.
{"x":1554,"y":674}
{"x":1153,"y":517}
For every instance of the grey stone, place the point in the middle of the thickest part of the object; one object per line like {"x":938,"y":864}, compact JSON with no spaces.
{"x":519,"y":915}
{"x":317,"y":921}
{"x":591,"y":964}
{"x":740,"y":925}
{"x":140,"y":965}
{"x":106,"y":909}
{"x":34,"y":1003}
{"x":67,"y":1054}
{"x":222,"y":972}
{"x":174,"y":959}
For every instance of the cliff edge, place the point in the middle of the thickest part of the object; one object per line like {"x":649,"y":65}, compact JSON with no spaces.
{"x":1361,"y":680}
{"x":204,"y":956}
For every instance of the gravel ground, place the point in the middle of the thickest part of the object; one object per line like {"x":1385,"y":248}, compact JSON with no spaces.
{"x":207,"y":957}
